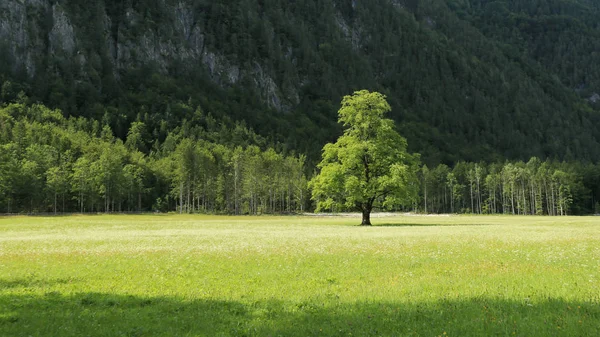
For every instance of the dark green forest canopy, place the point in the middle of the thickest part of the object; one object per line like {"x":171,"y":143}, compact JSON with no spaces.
{"x":467,"y":80}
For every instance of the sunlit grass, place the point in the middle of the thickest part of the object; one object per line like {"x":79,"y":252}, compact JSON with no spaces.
{"x":177,"y":275}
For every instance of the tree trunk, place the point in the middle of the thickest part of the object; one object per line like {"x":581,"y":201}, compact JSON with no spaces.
{"x":181,"y":198}
{"x":472,"y":204}
{"x":366,"y":217}
{"x":425,"y":198}
{"x":366,"y":209}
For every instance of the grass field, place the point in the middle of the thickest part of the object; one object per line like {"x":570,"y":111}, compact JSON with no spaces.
{"x":159,"y":275}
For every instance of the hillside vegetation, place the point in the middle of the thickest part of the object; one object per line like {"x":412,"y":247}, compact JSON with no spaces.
{"x":224,"y":106}
{"x":467,"y":80}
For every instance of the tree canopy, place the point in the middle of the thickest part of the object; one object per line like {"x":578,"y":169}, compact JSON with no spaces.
{"x":368,"y":166}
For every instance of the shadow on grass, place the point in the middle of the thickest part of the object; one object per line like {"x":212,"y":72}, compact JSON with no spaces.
{"x":31,"y":282}
{"x":97,"y":314}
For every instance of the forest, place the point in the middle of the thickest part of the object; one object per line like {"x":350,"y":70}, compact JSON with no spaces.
{"x":467,"y":80}
{"x":224,"y":106}
{"x":52,"y":164}
{"x":534,"y":187}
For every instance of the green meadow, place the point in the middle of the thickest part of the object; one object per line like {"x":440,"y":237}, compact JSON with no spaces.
{"x":172,"y":275}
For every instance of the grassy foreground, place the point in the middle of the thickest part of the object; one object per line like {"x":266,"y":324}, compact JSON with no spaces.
{"x":160,"y":275}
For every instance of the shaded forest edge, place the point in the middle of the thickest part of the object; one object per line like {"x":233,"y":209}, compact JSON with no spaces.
{"x":49,"y":163}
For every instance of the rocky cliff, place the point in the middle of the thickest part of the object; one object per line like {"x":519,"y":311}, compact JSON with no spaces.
{"x":35,"y":30}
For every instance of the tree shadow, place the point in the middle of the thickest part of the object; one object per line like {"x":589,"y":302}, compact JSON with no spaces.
{"x":102,"y":314}
{"x":429,"y":225}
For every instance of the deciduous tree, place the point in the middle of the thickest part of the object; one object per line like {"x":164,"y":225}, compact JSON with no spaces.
{"x":368,"y":166}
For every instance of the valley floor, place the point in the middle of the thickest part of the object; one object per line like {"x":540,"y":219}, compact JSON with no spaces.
{"x":180,"y":275}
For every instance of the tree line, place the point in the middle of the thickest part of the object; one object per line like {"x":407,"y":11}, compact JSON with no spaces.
{"x":534,"y":187}
{"x":50,"y":163}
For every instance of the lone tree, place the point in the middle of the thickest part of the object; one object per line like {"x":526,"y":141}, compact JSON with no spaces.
{"x":368,"y":166}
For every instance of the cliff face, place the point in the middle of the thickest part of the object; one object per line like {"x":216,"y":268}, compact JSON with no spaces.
{"x":32,"y":31}
{"x":20,"y":32}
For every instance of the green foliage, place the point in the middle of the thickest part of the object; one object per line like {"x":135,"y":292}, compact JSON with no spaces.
{"x":368,"y":166}
{"x":49,"y":163}
{"x":476,"y":81}
{"x":561,"y":35}
{"x":466,"y":80}
{"x":532,"y":188}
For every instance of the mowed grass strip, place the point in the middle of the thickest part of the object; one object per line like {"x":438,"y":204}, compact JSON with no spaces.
{"x":172,"y":275}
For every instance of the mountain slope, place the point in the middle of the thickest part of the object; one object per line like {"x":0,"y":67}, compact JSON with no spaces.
{"x":562,"y":35}
{"x":462,"y":86}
